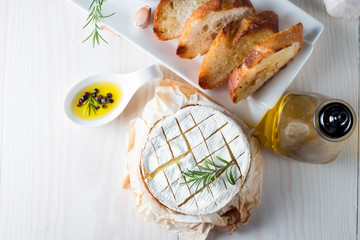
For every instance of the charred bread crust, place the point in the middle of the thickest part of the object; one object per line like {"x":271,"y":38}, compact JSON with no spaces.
{"x":263,"y":22}
{"x":157,"y":16}
{"x":238,"y":79}
{"x":181,"y":49}
{"x":217,"y":6}
{"x":274,"y":44}
{"x":203,"y":11}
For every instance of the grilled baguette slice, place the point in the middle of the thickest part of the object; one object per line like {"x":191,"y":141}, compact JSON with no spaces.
{"x":171,"y":15}
{"x":233,"y":44}
{"x":269,"y":56}
{"x":207,"y":21}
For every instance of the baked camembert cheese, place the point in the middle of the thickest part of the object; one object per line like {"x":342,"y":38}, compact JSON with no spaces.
{"x":183,"y":140}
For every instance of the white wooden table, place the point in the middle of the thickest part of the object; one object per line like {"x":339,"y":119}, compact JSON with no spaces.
{"x":59,"y":181}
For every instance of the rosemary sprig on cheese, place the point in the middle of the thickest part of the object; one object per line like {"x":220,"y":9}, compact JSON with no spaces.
{"x":94,"y":18}
{"x":209,"y":173}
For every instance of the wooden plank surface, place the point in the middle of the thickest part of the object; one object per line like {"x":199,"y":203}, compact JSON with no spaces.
{"x":59,"y":181}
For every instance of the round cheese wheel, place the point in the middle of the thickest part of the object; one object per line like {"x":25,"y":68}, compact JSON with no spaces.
{"x":180,"y":143}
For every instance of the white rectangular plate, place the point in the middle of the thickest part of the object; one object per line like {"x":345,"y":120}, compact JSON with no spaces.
{"x":253,"y":108}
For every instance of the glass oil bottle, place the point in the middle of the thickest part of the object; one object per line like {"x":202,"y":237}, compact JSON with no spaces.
{"x":307,"y":127}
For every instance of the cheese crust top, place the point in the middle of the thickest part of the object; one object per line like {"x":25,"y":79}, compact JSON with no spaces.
{"x":181,"y":141}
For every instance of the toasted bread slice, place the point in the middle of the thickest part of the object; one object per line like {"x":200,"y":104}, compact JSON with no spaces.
{"x":269,"y":56}
{"x":233,"y":44}
{"x":171,"y":15}
{"x":207,"y":21}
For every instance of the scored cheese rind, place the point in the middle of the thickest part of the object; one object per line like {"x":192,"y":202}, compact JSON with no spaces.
{"x":181,"y":141}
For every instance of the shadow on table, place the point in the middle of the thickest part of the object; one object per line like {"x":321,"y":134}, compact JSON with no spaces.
{"x":267,"y":214}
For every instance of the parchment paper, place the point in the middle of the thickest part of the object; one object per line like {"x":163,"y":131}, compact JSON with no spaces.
{"x":171,"y":96}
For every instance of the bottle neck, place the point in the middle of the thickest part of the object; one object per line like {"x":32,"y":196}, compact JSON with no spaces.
{"x":334,"y":120}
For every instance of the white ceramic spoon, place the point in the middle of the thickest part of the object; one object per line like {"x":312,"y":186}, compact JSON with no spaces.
{"x":129,"y":83}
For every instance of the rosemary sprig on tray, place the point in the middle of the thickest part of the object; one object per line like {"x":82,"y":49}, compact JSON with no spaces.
{"x":210,"y":173}
{"x":94,"y":18}
{"x":91,"y":105}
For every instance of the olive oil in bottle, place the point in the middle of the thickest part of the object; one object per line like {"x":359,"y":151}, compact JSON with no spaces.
{"x":307,"y":127}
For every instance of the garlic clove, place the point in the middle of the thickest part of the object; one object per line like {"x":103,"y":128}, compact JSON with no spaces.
{"x":345,"y":9}
{"x":142,"y":17}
